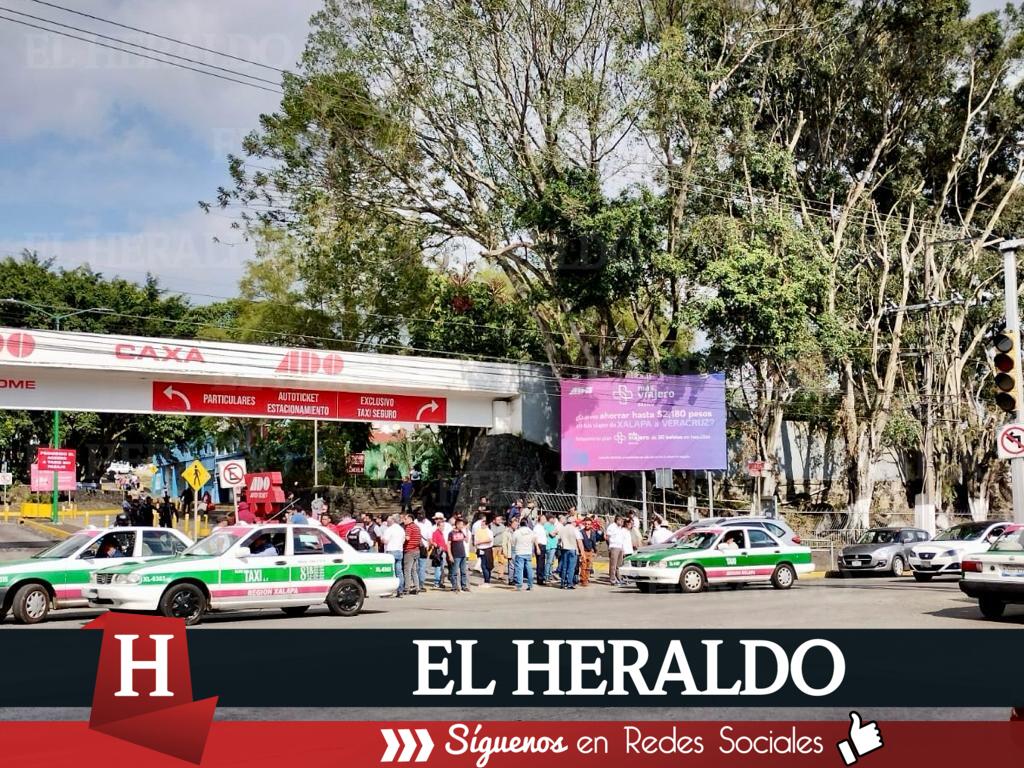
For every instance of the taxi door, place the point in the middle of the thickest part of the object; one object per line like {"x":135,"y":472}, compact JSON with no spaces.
{"x":79,"y":570}
{"x":314,"y":561}
{"x":258,"y":579}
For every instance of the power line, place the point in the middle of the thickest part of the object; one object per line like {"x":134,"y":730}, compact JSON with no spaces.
{"x":159,"y":36}
{"x":137,"y":45}
{"x":142,"y":55}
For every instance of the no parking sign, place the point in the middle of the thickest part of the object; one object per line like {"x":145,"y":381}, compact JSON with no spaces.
{"x":231,"y":473}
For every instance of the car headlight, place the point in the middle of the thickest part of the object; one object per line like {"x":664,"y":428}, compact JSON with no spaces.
{"x":126,"y":578}
{"x":951,"y":553}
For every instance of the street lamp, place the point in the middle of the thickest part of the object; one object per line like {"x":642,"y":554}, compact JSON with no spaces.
{"x":56,"y":317}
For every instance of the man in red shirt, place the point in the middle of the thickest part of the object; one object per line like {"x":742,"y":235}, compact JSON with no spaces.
{"x":411,"y":554}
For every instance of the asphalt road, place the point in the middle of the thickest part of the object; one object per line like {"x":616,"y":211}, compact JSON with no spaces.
{"x":867,"y":603}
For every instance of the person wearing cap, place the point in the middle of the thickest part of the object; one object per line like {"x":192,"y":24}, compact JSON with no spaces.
{"x":440,"y":553}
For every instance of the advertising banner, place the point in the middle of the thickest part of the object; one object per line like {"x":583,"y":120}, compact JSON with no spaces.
{"x":640,"y":423}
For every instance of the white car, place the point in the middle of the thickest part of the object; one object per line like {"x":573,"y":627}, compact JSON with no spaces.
{"x":290,"y":567}
{"x":54,"y":578}
{"x":942,"y":555}
{"x":996,"y":577}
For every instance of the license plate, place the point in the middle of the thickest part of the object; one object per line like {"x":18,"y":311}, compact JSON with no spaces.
{"x":1009,"y":570}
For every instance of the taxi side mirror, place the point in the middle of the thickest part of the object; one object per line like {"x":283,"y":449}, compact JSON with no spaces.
{"x":243,"y":552}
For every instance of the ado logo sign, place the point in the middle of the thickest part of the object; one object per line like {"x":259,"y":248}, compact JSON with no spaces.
{"x":307,"y":361}
{"x":17,"y":345}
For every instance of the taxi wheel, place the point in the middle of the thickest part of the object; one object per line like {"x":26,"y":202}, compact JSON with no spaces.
{"x":184,"y":601}
{"x":991,"y":608}
{"x":346,"y":598}
{"x":31,"y":604}
{"x":922,"y":577}
{"x":784,"y":576}
{"x":692,"y":579}
{"x":295,"y":610}
{"x":899,"y":568}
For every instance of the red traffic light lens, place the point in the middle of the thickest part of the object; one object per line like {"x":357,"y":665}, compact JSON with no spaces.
{"x":1003,"y":363}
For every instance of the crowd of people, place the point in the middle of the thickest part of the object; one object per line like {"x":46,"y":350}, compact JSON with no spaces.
{"x":521,"y":546}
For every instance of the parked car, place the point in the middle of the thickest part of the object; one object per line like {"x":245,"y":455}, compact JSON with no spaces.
{"x":776,"y":527}
{"x":881,"y":550}
{"x":996,"y":577}
{"x":942,"y":555}
{"x":242,"y":567}
{"x":54,"y":578}
{"x":733,"y":555}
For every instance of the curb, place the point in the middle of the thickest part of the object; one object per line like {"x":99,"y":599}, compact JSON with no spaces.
{"x":47,"y":529}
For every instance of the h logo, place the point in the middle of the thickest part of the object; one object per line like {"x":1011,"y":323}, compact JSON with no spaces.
{"x":129,"y":664}
{"x":163,"y":717}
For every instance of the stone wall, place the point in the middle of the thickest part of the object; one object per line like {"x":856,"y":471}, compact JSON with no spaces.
{"x":504,"y":462}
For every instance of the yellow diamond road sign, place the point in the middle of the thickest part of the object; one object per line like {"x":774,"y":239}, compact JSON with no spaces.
{"x":196,"y":475}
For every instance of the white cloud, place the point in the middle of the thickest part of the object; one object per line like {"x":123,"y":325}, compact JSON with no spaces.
{"x":64,"y":87}
{"x":183,"y":251}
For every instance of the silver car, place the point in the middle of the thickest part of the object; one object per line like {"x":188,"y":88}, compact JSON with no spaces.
{"x":881,"y":550}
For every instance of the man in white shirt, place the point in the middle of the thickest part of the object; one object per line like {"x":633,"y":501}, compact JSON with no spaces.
{"x":394,"y":541}
{"x":540,"y":547}
{"x":611,"y":535}
{"x":625,"y":535}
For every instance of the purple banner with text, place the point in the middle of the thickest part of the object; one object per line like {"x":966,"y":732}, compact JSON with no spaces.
{"x":662,"y":422}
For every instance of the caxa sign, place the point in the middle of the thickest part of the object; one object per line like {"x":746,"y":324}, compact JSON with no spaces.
{"x":307,"y":361}
{"x":162,"y":353}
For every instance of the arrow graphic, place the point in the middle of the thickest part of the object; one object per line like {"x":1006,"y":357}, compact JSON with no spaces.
{"x":171,"y":393}
{"x":408,"y":741}
{"x":432,"y":406}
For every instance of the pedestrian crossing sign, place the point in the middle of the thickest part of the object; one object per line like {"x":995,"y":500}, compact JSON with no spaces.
{"x":196,"y":475}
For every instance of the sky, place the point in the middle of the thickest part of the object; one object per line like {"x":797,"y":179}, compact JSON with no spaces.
{"x":104,"y":156}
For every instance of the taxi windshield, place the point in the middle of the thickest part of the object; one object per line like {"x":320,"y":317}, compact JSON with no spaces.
{"x":877,"y":536}
{"x":966,"y":532}
{"x":696,"y":540}
{"x":65,"y":548}
{"x":1011,"y":541}
{"x":216,"y":543}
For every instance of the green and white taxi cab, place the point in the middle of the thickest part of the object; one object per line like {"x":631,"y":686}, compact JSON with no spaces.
{"x":54,"y":578}
{"x":241,"y":567}
{"x":735,"y":555}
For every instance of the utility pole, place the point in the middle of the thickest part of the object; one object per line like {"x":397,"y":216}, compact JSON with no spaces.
{"x":1009,"y":250}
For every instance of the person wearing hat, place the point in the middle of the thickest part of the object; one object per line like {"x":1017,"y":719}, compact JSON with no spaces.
{"x":444,"y":525}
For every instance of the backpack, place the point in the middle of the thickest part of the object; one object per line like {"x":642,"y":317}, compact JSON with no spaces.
{"x":355,"y":540}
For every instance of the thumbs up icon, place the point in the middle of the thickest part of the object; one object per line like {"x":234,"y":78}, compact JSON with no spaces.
{"x":864,"y":738}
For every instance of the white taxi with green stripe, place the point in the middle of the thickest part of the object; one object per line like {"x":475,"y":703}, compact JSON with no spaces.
{"x":241,"y":567}
{"x":735,"y":555}
{"x":54,"y":578}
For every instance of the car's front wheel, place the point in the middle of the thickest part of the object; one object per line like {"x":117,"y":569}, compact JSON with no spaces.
{"x":991,"y":607}
{"x":692,"y":579}
{"x":922,"y":577}
{"x":784,"y":576}
{"x":184,"y":601}
{"x":346,"y":598}
{"x":898,"y":568}
{"x":31,"y":604}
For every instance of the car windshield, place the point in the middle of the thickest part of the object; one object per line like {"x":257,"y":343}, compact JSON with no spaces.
{"x":962,"y":533}
{"x":215,"y":544}
{"x":880,"y":536}
{"x":1013,"y":541}
{"x":66,"y":548}
{"x":697,"y":540}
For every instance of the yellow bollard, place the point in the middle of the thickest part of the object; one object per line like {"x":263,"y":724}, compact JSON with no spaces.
{"x":106,"y":521}
{"x":86,"y":513}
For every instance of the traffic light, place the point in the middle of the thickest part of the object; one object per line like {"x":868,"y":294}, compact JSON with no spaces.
{"x":1007,"y":364}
